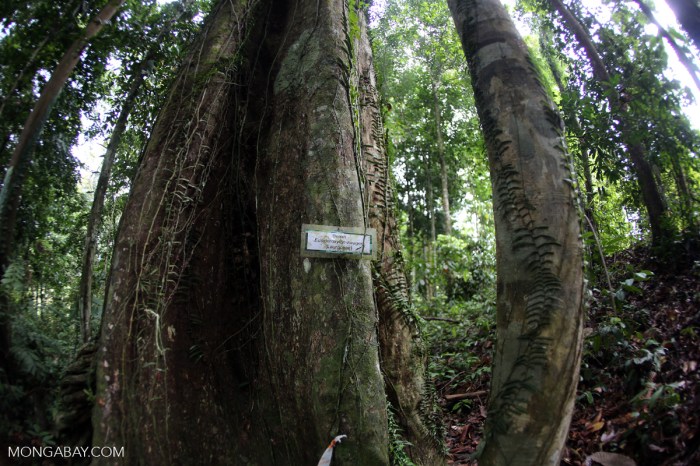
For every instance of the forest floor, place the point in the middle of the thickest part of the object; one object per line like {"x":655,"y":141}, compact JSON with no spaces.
{"x":639,"y":391}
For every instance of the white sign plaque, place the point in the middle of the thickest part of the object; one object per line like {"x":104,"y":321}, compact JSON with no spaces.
{"x":338,"y":242}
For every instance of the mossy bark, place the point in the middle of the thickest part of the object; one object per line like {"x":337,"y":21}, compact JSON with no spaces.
{"x":538,"y":247}
{"x":320,"y":359}
{"x":402,"y":352}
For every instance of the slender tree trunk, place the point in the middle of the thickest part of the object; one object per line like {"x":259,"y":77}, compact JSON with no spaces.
{"x":441,"y":155}
{"x":539,"y":255}
{"x":218,"y":340}
{"x":429,"y":249}
{"x":688,"y":15}
{"x":651,"y":194}
{"x":682,"y":57}
{"x":589,"y":194}
{"x":22,"y":154}
{"x":23,"y":79}
{"x":14,"y":176}
{"x":430,"y":200}
{"x":85,"y":287}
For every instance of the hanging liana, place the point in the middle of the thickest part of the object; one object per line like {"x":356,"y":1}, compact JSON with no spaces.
{"x":328,"y":454}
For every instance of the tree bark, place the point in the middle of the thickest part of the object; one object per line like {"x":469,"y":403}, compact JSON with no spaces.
{"x":401,"y":350}
{"x":94,"y":220}
{"x":320,"y":364}
{"x":22,"y":154}
{"x":447,"y":225}
{"x":170,"y":348}
{"x":651,"y":194}
{"x":219,"y":341}
{"x":682,"y":57}
{"x":688,"y":15}
{"x":10,"y":194}
{"x":539,"y":255}
{"x":89,"y":251}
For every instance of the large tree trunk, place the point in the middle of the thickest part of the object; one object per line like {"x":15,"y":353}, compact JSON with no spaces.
{"x":219,"y":341}
{"x":90,"y":249}
{"x":539,"y":254}
{"x":319,"y":363}
{"x":170,"y":335}
{"x":651,"y":193}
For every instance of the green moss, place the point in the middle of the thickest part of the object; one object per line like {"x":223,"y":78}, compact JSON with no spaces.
{"x":299,"y":64}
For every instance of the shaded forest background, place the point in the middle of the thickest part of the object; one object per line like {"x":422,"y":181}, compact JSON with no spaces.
{"x":638,"y":393}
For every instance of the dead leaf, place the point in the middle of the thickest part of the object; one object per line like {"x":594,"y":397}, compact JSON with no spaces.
{"x":610,"y":459}
{"x":595,"y":426}
{"x":689,"y":366}
{"x":463,"y":436}
{"x":598,"y":416}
